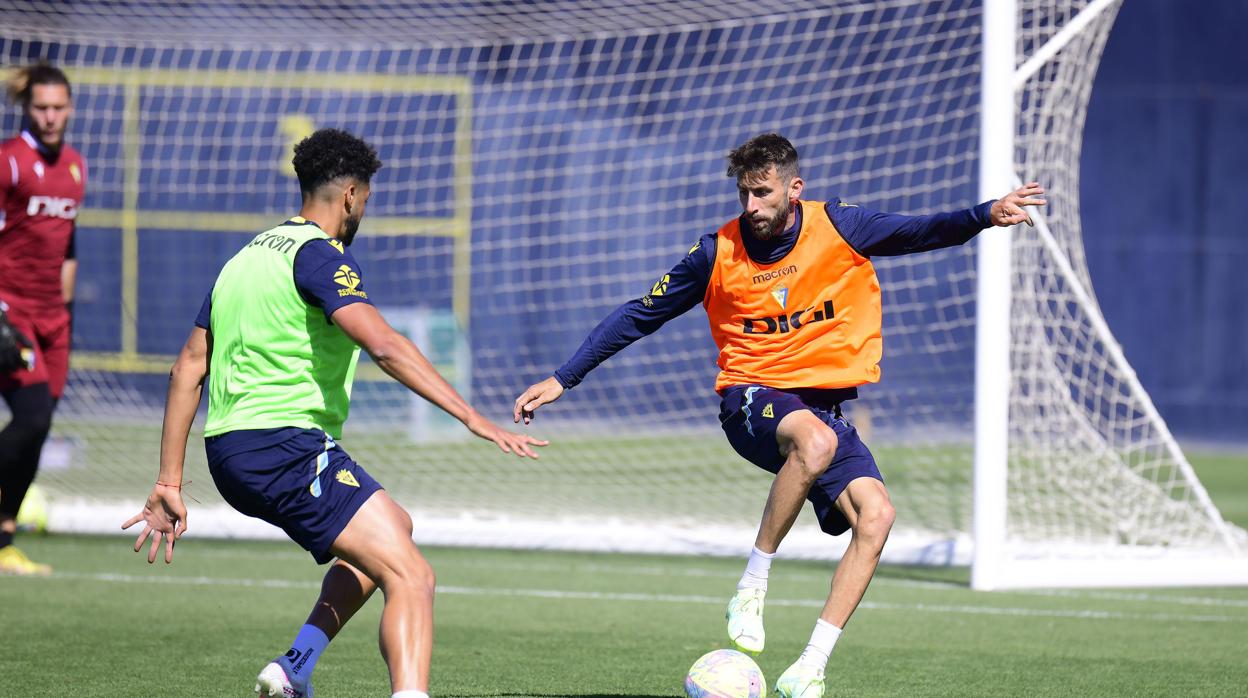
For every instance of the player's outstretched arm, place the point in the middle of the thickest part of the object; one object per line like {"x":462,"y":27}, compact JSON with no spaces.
{"x":1011,"y":208}
{"x":404,"y":362}
{"x":537,"y":395}
{"x":672,"y":295}
{"x":164,"y":514}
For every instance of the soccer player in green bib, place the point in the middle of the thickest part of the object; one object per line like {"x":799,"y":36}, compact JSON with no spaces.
{"x":280,"y":334}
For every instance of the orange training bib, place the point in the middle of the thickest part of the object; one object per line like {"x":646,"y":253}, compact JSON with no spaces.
{"x":809,"y":320}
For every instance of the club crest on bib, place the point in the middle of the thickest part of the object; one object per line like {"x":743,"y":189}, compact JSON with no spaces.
{"x":781,"y":295}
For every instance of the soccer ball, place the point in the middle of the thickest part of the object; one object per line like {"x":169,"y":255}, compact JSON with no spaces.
{"x":725,"y":674}
{"x":32,"y":517}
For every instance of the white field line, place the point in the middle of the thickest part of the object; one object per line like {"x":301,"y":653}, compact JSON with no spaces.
{"x":624,"y":570}
{"x":955,"y":609}
{"x":1137,"y":597}
{"x":788,"y":576}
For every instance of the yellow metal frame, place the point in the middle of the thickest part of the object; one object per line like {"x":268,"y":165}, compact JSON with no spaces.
{"x":129,"y":219}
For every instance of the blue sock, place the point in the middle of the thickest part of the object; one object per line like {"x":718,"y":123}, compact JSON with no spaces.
{"x":304,"y":652}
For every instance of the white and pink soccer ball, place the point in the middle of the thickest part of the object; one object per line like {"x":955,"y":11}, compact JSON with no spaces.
{"x":725,"y":674}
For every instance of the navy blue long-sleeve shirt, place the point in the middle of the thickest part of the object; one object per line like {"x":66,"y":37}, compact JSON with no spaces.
{"x":871,"y":234}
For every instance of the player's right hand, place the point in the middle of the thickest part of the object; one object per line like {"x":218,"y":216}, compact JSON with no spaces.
{"x":165,"y":515}
{"x":537,"y":395}
{"x":508,"y":442}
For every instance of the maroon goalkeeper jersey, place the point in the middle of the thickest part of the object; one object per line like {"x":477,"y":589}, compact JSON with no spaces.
{"x":39,"y":199}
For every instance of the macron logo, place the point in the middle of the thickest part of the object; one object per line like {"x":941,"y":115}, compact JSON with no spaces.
{"x":774,"y":274}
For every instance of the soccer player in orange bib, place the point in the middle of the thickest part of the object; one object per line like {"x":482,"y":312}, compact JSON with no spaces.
{"x":42,"y":180}
{"x":794,"y":307}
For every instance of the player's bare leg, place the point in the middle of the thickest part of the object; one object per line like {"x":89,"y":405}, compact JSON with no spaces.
{"x":870,"y":514}
{"x":378,"y":542}
{"x":866,"y":506}
{"x":809,"y":446}
{"x":343,"y":592}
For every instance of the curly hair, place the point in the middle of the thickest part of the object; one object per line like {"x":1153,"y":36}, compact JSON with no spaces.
{"x":754,"y":157}
{"x":21,"y":80}
{"x":331,"y":153}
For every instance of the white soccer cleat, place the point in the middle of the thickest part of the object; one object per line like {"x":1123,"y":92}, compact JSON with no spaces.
{"x":274,"y":683}
{"x":800,"y":681}
{"x":745,"y":620}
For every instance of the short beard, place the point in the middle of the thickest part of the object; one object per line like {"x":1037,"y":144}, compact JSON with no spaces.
{"x":349,"y":229}
{"x":772,"y":227}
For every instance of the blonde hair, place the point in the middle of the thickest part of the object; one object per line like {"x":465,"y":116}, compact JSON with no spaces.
{"x":21,"y":80}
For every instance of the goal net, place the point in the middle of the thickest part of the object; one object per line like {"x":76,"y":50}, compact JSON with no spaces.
{"x":545,"y":162}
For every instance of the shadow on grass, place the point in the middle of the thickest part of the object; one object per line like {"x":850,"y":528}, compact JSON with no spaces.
{"x":937,"y":571}
{"x":560,"y":695}
{"x":934,"y":574}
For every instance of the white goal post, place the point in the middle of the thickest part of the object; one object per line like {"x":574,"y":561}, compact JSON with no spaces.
{"x":1153,"y":523}
{"x":545,"y":162}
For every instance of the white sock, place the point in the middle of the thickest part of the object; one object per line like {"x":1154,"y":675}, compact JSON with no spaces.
{"x":304,"y":652}
{"x":410,"y":694}
{"x":822,"y":640}
{"x":756,"y":570}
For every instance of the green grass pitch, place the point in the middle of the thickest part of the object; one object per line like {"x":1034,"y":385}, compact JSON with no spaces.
{"x":544,"y":624}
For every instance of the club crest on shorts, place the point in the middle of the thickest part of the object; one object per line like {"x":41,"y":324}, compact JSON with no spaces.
{"x":345,"y":477}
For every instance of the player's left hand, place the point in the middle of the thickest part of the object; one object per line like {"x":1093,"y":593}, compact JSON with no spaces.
{"x":1009,"y":209}
{"x":165,"y":515}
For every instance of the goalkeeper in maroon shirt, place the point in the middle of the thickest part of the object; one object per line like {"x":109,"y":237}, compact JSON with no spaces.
{"x":41,"y":186}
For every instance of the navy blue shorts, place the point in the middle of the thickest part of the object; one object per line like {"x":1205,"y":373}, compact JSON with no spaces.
{"x":299,"y":480}
{"x":750,"y":415}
